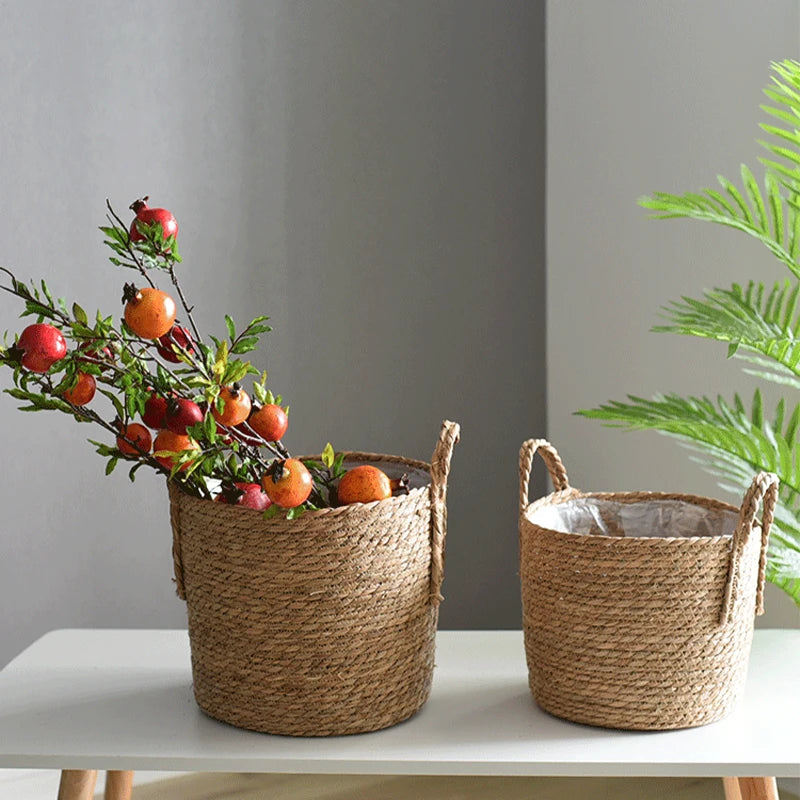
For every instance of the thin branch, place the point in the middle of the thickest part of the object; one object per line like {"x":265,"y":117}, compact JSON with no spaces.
{"x":186,"y":307}
{"x":128,"y":247}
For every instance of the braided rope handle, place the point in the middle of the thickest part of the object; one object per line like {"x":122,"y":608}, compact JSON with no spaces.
{"x":177,"y":558}
{"x":440,"y":469}
{"x":764,"y":488}
{"x":558,"y":473}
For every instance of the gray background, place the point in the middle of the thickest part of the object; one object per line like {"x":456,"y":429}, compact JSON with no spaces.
{"x":371,"y":174}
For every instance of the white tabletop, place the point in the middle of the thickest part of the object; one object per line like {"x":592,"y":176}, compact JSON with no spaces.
{"x":114,"y":699}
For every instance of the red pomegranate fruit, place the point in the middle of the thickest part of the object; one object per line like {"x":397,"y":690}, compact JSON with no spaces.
{"x":42,"y":345}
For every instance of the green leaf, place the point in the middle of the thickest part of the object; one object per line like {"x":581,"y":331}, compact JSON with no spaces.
{"x":235,"y":371}
{"x":221,"y":360}
{"x":112,"y":463}
{"x":748,"y":215}
{"x":260,"y":393}
{"x":294,"y":513}
{"x":47,"y":293}
{"x":231,"y":327}
{"x":210,"y":428}
{"x":338,"y":466}
{"x":759,"y":326}
{"x":273,"y":511}
{"x":79,"y":314}
{"x":245,"y":345}
{"x":134,"y":469}
{"x":328,"y":455}
{"x":734,"y":447}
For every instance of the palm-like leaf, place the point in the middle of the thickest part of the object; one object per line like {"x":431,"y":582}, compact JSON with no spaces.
{"x":759,"y":325}
{"x":735,"y":445}
{"x":785,"y":92}
{"x":775,"y":223}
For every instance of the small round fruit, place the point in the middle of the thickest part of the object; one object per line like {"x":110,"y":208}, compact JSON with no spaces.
{"x":269,"y":422}
{"x":144,"y":213}
{"x":155,"y":409}
{"x":172,"y":442}
{"x":177,"y":335}
{"x":83,"y":391}
{"x":182,"y":414}
{"x":293,"y":485}
{"x":150,"y":313}
{"x":253,"y":496}
{"x":137,"y":434}
{"x":42,"y":345}
{"x":236,"y":405}
{"x":364,"y":484}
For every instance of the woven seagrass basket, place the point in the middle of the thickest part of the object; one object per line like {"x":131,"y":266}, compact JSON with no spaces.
{"x":323,"y":625}
{"x":629,"y":625}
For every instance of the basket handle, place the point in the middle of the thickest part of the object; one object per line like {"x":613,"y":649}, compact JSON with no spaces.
{"x":558,"y":474}
{"x":764,"y":488}
{"x":440,"y":468}
{"x":177,"y":558}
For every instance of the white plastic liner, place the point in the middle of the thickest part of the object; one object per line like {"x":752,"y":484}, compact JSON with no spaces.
{"x":659,"y":518}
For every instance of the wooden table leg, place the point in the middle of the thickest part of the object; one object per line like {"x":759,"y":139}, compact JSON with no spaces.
{"x":77,"y":784}
{"x":758,"y":789}
{"x":732,"y":790}
{"x":119,"y":784}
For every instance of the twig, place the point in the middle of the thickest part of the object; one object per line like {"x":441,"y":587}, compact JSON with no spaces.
{"x":185,"y":304}
{"x":128,"y":247}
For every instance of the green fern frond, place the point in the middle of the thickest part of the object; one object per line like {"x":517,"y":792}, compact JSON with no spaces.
{"x":785,"y":93}
{"x":766,"y":221}
{"x":734,"y":444}
{"x":753,"y":322}
{"x":728,"y":428}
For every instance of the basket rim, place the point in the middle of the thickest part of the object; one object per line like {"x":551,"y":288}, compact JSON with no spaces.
{"x":322,"y":513}
{"x":565,"y":495}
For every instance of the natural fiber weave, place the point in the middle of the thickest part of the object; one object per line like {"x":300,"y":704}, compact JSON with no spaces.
{"x":318,"y":626}
{"x":643,"y":633}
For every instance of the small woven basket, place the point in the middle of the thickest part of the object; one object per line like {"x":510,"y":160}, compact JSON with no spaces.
{"x":323,"y":625}
{"x":643,"y":632}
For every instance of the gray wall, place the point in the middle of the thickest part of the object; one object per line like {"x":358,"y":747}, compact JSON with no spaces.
{"x":642,"y":97}
{"x":370,"y":174}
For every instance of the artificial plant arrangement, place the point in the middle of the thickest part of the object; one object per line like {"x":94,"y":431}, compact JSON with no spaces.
{"x":760,"y":324}
{"x":199,"y":425}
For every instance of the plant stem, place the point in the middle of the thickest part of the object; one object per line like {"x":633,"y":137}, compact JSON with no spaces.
{"x":188,"y":310}
{"x":128,"y":247}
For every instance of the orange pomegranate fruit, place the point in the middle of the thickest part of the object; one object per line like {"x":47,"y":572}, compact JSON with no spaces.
{"x":270,"y":422}
{"x":173,"y":444}
{"x":367,"y":484}
{"x":288,"y":484}
{"x":364,"y":484}
{"x":236,"y":405}
{"x":149,"y":313}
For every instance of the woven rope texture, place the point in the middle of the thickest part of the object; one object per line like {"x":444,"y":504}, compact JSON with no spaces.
{"x":640,"y":632}
{"x":318,"y":626}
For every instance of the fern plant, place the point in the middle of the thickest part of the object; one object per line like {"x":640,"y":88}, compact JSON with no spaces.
{"x":760,"y":324}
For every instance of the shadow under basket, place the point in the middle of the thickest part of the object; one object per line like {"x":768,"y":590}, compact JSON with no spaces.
{"x":638,"y":607}
{"x":323,"y":625}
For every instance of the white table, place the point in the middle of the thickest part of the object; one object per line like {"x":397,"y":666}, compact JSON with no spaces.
{"x":121,"y":700}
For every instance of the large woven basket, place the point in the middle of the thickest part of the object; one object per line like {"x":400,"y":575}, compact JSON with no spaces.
{"x":641,"y":632}
{"x":318,"y":626}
